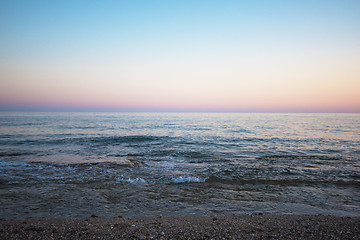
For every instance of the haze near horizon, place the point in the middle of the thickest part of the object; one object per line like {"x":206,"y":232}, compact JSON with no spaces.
{"x":240,"y":56}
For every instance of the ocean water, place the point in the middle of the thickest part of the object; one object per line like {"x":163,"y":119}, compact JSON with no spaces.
{"x":144,"y":164}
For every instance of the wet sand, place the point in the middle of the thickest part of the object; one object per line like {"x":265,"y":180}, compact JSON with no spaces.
{"x":256,"y":226}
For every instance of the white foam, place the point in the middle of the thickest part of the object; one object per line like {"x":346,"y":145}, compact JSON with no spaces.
{"x":187,"y":179}
{"x":133,"y":180}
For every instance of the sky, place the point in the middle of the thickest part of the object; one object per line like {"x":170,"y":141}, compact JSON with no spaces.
{"x":198,"y":55}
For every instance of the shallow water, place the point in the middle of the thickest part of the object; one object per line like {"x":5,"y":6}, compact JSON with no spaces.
{"x":130,"y":164}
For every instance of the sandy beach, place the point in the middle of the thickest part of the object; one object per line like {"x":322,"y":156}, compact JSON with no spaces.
{"x":255,"y":226}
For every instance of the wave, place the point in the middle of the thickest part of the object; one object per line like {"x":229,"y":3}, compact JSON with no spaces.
{"x":188,"y":154}
{"x":108,"y":140}
{"x":299,"y":157}
{"x":126,"y":139}
{"x":280,"y":182}
{"x":240,"y":131}
{"x":132,"y":180}
{"x":14,"y":154}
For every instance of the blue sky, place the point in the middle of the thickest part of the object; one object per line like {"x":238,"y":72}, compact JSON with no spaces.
{"x":187,"y":54}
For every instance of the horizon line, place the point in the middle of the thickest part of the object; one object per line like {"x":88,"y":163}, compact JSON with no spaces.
{"x":171,"y":111}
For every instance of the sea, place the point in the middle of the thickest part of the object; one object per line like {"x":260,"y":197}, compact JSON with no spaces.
{"x":59,"y":165}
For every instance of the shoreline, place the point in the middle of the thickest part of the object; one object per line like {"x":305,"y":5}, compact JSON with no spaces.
{"x":245,"y":226}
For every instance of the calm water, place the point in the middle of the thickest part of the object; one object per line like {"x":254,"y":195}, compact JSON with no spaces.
{"x":130,"y":164}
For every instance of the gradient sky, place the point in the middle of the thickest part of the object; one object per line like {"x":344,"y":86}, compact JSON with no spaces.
{"x":247,"y":56}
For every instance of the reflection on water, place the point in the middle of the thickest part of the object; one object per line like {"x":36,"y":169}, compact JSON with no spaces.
{"x":76,"y":164}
